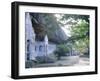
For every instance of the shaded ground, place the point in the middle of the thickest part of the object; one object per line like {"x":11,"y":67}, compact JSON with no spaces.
{"x":65,"y":61}
{"x":83,"y":61}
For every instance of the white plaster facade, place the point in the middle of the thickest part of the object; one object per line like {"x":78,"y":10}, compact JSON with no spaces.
{"x":33,"y":48}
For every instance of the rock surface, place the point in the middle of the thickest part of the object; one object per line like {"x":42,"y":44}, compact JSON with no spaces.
{"x":44,"y":23}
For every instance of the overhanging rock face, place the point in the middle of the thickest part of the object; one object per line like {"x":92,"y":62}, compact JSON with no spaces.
{"x":45,"y":23}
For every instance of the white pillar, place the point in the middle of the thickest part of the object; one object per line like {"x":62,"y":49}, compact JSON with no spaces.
{"x":46,"y":45}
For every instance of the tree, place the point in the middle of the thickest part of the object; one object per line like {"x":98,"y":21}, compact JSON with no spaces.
{"x":79,"y":30}
{"x":75,"y":17}
{"x":61,"y":50}
{"x":80,"y":33}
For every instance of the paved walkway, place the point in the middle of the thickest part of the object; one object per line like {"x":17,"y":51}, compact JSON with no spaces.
{"x":66,"y":62}
{"x":83,"y":61}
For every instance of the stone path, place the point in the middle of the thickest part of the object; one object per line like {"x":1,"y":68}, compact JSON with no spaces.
{"x":83,"y":61}
{"x":66,"y":62}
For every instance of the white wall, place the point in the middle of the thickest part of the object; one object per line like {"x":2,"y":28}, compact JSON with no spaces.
{"x":5,"y":40}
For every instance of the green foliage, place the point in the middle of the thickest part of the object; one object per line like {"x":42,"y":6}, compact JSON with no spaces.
{"x":71,"y":19}
{"x":62,"y":49}
{"x":75,"y":17}
{"x":80,"y":32}
{"x":80,"y":29}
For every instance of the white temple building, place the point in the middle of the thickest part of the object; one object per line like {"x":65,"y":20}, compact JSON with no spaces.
{"x":33,"y":48}
{"x":29,"y":38}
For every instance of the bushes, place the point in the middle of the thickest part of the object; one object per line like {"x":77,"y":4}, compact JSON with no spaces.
{"x":51,"y":58}
{"x":61,"y":50}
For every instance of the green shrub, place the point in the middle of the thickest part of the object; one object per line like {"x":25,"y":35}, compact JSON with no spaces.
{"x":61,"y":50}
